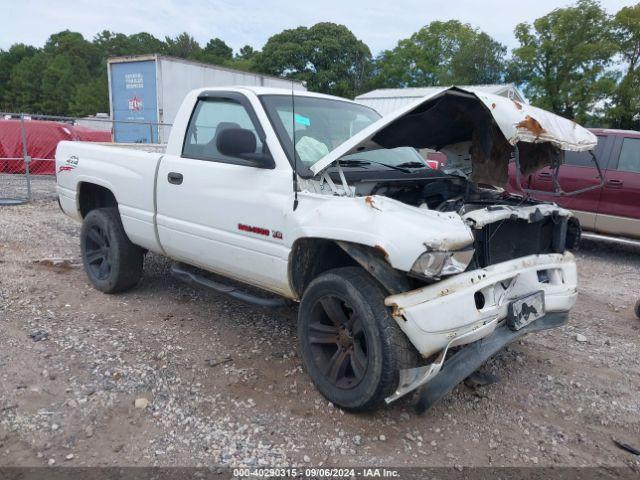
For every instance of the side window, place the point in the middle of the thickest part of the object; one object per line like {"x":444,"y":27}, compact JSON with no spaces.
{"x":212,"y":116}
{"x":583,"y":159}
{"x":630,"y":155}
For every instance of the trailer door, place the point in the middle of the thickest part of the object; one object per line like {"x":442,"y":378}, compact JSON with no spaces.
{"x":134,"y":103}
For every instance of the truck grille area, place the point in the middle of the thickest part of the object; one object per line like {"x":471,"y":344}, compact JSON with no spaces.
{"x":509,"y":239}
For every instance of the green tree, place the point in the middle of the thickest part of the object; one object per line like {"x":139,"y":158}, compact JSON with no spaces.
{"x":24,"y":89}
{"x":327,"y":56}
{"x":144,"y":42}
{"x":71,"y":61}
{"x":442,"y":53}
{"x":90,"y":97}
{"x":59,"y":80}
{"x":245,"y":59}
{"x":80,"y":52}
{"x":116,"y":44}
{"x":8,"y":60}
{"x":216,"y":52}
{"x":183,"y":46}
{"x":112,"y":44}
{"x":624,"y":111}
{"x":563,"y":60}
{"x":246,"y":53}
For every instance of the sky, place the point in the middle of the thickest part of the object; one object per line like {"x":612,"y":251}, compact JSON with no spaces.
{"x":379,"y":24}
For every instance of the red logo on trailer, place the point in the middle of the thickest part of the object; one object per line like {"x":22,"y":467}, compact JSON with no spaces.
{"x":135,"y":104}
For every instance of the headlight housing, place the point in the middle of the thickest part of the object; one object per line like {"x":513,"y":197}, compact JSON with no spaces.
{"x":437,"y":264}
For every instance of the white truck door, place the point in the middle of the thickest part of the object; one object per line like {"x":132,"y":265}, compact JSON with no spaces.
{"x":219,"y":211}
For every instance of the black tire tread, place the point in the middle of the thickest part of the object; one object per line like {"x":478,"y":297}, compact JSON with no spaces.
{"x":406,"y":354}
{"x":130,"y":267}
{"x":402,"y":354}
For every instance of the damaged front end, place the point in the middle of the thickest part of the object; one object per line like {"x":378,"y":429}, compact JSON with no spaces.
{"x":509,"y":270}
{"x":468,"y":307}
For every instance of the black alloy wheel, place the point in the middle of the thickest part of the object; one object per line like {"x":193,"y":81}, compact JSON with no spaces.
{"x":338,"y":341}
{"x":112,"y":262}
{"x":97,"y":248}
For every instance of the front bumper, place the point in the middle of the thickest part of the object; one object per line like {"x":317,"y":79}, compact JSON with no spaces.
{"x":470,"y":306}
{"x":434,"y":315}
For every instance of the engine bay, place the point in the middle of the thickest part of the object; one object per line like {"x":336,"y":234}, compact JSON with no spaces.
{"x":444,"y":194}
{"x":544,"y":230}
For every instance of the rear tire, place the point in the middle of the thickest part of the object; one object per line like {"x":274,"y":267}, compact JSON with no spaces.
{"x":112,"y":263}
{"x":350,"y":344}
{"x":637,"y":309}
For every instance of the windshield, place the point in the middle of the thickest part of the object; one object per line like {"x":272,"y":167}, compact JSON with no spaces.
{"x":322,"y":124}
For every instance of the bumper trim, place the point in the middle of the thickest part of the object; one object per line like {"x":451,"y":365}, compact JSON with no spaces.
{"x":466,"y":361}
{"x":413,"y":378}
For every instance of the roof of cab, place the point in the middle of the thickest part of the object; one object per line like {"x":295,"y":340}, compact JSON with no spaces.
{"x":273,"y":91}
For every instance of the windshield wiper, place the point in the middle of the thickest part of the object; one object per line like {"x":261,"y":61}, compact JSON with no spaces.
{"x":356,"y":162}
{"x":412,"y":165}
{"x":353,"y":163}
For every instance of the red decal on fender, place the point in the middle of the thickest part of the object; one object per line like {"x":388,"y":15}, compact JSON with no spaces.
{"x":250,"y":229}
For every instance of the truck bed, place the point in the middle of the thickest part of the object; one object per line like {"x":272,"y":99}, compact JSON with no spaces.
{"x":127,"y":170}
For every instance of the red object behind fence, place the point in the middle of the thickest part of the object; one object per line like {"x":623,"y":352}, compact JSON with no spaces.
{"x":42,"y":139}
{"x":86,"y":134}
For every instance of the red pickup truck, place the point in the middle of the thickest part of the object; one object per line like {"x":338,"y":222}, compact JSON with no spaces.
{"x":614,"y":208}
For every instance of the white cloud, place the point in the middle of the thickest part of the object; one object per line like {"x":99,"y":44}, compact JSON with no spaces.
{"x":252,"y":22}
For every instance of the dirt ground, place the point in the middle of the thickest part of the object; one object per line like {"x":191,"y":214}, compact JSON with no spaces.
{"x":221,"y":384}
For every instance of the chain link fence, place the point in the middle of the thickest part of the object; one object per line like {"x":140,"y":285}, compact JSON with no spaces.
{"x":28,"y":144}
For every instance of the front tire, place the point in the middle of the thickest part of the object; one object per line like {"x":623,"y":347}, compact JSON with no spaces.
{"x":112,"y":263}
{"x":350,"y":344}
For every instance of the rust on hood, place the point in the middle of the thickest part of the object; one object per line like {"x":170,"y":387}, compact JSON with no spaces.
{"x":531,"y":124}
{"x":380,"y":248}
{"x":397,"y":311}
{"x":369,"y":200}
{"x":490,"y":154}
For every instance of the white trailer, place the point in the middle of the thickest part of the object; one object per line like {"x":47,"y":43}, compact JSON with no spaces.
{"x":149,"y":89}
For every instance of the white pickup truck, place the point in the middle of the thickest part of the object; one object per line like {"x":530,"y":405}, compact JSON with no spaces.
{"x":406,"y":276}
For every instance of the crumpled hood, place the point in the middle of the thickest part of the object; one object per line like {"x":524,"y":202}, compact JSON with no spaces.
{"x":480,"y":127}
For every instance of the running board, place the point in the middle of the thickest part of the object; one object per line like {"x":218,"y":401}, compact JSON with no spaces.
{"x":195,"y":279}
{"x":610,"y":239}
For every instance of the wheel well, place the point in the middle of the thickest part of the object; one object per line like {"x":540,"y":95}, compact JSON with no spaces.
{"x":92,"y":196}
{"x":310,"y":257}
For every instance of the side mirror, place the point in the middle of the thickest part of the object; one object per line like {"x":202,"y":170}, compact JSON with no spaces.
{"x":241,"y":143}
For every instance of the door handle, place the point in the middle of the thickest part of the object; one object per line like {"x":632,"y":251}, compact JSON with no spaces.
{"x":175,"y":178}
{"x":544,"y":176}
{"x":615,"y":183}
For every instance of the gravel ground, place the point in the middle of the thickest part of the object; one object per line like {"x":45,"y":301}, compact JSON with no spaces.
{"x":168,"y":375}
